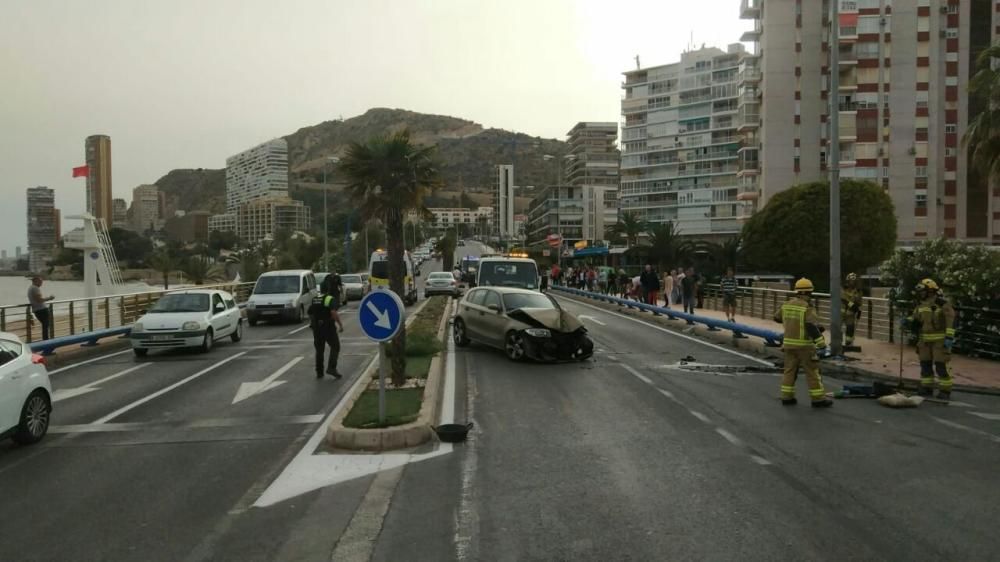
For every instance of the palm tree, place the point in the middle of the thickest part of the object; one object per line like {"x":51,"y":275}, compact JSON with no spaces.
{"x":629,"y":227}
{"x":983,"y":135}
{"x":446,"y":245}
{"x":199,"y":270}
{"x":727,"y":254}
{"x":666,"y":247}
{"x":163,"y":262}
{"x":387,"y":176}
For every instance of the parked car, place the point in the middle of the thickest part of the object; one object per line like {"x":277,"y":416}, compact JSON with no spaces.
{"x":25,"y":392}
{"x":193,"y":318}
{"x":354,"y":286}
{"x":521,"y":322}
{"x":281,"y":295}
{"x":441,"y":283}
{"x":320,"y":277}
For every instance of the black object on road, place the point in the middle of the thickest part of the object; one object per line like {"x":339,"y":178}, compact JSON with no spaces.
{"x":453,"y":432}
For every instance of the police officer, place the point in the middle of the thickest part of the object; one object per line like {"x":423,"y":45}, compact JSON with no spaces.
{"x":850,"y":306}
{"x":803,"y":341}
{"x":933,"y":322}
{"x":325,"y":323}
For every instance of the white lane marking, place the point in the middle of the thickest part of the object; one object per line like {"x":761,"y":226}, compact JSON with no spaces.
{"x":761,"y":460}
{"x":986,"y":416}
{"x":359,"y":539}
{"x":256,"y":347}
{"x":248,"y":389}
{"x":165,"y":390}
{"x":466,"y":522}
{"x":700,"y":416}
{"x":61,"y":394}
{"x":299,"y":329}
{"x":592,"y":319}
{"x":636,"y":373}
{"x":729,"y":437}
{"x":968,"y":429}
{"x":671,"y":332}
{"x":95,"y":359}
{"x":667,"y":393}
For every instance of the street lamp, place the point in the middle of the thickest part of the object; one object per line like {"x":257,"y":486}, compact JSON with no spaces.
{"x":326,"y":212}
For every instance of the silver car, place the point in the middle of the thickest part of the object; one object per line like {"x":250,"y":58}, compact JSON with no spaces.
{"x":441,"y":283}
{"x":354,"y":286}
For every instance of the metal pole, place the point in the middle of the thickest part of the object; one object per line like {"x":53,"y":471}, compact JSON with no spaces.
{"x":326,"y":225}
{"x":383,"y":361}
{"x":834,"y":163}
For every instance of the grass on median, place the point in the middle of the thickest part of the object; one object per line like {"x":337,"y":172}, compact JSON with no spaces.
{"x":401,"y":406}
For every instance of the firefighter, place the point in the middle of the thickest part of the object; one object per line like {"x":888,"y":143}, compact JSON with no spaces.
{"x":850,"y":306}
{"x":802,"y":343}
{"x":933,"y":322}
{"x":325,"y":323}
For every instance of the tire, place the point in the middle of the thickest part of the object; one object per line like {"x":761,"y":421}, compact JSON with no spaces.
{"x":34,"y":421}
{"x":513,"y":346}
{"x":458,"y":332}
{"x":140,"y":351}
{"x":299,"y":313}
{"x":208,"y":342}
{"x":237,"y":334}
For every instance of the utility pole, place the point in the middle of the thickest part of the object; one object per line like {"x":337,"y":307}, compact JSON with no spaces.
{"x":834,"y":164}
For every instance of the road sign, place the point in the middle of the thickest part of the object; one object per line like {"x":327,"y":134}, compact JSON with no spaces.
{"x":380,"y":314}
{"x":554,"y":240}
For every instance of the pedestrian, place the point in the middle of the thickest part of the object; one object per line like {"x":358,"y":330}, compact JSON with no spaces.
{"x":850,"y":306}
{"x":624,"y":282}
{"x":38,"y":305}
{"x":688,"y":287}
{"x":802,"y":343}
{"x":325,"y":323}
{"x":933,"y":322}
{"x":699,"y":290}
{"x":591,"y":279}
{"x":728,"y":285}
{"x":612,"y":282}
{"x":668,"y":288}
{"x":679,"y":284}
{"x":637,"y":289}
{"x":544,"y":284}
{"x":602,"y":280}
{"x":650,"y":284}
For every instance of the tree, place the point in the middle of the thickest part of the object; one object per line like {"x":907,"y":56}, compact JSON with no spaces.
{"x":130,"y":247}
{"x":199,"y":270}
{"x":629,"y":227}
{"x":219,"y":240}
{"x":446,"y":245}
{"x":666,"y":247}
{"x":791,"y":234}
{"x":387,"y":176}
{"x":163,"y":262}
{"x":983,"y":135}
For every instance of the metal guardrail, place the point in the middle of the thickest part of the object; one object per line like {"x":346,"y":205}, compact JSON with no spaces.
{"x":770,"y":337}
{"x":49,"y":346}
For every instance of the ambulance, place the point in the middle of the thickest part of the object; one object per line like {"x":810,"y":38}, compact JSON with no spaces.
{"x":378,"y":277}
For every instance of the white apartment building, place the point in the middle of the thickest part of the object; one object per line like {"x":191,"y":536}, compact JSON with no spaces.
{"x":261,"y":171}
{"x":680,"y":145}
{"x":578,"y":213}
{"x":260,"y":218}
{"x":225,"y":222}
{"x":903,"y":104}
{"x":448,"y":216}
{"x":147,"y":208}
{"x":503,"y":197}
{"x":43,"y":228}
{"x":594,"y":154}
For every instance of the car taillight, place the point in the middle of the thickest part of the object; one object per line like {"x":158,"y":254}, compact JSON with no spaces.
{"x":37,"y":359}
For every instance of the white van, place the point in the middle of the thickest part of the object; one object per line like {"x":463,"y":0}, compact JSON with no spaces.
{"x":378,"y":268}
{"x":507,"y":272}
{"x":281,"y":295}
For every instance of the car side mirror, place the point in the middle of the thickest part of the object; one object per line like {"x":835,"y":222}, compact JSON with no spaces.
{"x":494,"y":307}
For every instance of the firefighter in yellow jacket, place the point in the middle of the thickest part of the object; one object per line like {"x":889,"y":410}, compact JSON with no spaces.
{"x":933,"y":322}
{"x":803,"y":341}
{"x":850,"y":306}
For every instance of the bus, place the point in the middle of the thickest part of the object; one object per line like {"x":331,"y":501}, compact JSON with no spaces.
{"x":378,"y":268}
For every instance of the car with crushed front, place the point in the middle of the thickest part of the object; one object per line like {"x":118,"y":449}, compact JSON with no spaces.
{"x":191,"y":318}
{"x":525,"y":324}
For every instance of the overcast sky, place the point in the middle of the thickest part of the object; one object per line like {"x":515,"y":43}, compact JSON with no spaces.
{"x":186,"y":83}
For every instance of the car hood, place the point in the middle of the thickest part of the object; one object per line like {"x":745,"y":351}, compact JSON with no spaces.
{"x":551,"y":318}
{"x":353,"y":285}
{"x":276,"y":298}
{"x":171,"y":320}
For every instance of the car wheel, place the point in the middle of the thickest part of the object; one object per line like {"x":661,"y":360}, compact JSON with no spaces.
{"x":140,"y":351}
{"x":208,"y":342}
{"x":34,"y":422}
{"x":458,"y":331}
{"x":299,"y":313}
{"x":513,"y":345}
{"x":238,"y":333}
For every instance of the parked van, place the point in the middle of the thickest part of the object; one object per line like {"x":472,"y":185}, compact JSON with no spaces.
{"x":281,"y":295}
{"x":507,"y":272}
{"x":378,"y":270}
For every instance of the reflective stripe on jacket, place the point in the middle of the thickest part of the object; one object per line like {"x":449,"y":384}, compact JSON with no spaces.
{"x":801,"y":324}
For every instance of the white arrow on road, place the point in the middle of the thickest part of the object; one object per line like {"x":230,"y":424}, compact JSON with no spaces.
{"x":383,"y":316}
{"x":591,"y":318}
{"x":61,"y":394}
{"x":248,"y":389}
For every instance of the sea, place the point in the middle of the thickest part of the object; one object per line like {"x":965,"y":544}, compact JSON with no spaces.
{"x":14,"y":290}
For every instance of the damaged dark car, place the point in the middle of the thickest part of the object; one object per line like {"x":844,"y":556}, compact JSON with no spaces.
{"x":524,"y":324}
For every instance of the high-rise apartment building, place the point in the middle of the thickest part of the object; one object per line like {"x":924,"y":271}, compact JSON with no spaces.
{"x":120,"y":212}
{"x":261,"y":171}
{"x":680,"y":145}
{"x":903,"y":104}
{"x":98,"y":156}
{"x":148,"y":209}
{"x":260,"y":218}
{"x":503,"y":200}
{"x":576,"y":212}
{"x":225,"y":222}
{"x":43,"y":235}
{"x":595,"y":157}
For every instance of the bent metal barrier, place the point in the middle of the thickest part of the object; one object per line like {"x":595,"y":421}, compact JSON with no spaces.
{"x":770,"y":337}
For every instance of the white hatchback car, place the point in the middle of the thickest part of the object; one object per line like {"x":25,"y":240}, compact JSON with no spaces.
{"x":193,"y":318}
{"x":25,"y":392}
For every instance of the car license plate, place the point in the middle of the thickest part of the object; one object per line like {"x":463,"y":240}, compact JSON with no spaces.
{"x":163,"y":337}
{"x":269,"y":312}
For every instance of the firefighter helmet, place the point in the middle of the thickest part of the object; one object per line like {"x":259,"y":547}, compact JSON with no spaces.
{"x":803,"y":286}
{"x":852,"y":277}
{"x":927,"y":285}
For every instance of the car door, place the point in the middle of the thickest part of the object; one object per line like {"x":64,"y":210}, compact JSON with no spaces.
{"x":232,"y":310}
{"x":491,"y":319}
{"x":472,"y":313}
{"x":11,"y":384}
{"x":222,"y":323}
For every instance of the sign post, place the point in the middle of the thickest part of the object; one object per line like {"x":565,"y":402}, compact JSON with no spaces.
{"x":381,"y":315}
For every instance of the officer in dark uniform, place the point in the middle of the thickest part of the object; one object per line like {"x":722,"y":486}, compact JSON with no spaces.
{"x":325,"y":323}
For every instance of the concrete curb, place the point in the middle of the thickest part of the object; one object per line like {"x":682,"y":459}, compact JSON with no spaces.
{"x":758,"y":348}
{"x":401,"y":436}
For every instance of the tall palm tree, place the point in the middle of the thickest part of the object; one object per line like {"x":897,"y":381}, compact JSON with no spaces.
{"x":163,"y":262}
{"x":629,"y":227}
{"x":387,"y":176}
{"x":199,"y":269}
{"x":666,"y":247}
{"x":446,"y":245}
{"x":983,"y":135}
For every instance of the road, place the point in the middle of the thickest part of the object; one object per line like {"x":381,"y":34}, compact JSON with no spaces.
{"x":628,"y":456}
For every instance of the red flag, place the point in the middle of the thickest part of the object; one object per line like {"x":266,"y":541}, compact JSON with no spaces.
{"x":81,"y":171}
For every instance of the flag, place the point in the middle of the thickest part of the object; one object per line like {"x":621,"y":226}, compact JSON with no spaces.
{"x":81,"y":171}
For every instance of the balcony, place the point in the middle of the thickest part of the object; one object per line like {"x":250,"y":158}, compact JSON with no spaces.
{"x":749,"y":9}
{"x":752,"y":35}
{"x":747,"y":121}
{"x":849,"y":33}
{"x":750,"y":75}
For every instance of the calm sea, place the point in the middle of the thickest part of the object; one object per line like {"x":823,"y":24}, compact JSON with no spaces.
{"x":14,"y":290}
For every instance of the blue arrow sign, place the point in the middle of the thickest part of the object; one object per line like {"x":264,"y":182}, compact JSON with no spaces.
{"x":381,"y":313}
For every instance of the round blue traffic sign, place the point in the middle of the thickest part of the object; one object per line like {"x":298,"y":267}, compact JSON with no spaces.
{"x":381,"y":313}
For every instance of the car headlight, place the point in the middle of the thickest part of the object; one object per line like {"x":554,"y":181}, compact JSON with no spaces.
{"x":538,"y":332}
{"x":290,"y":304}
{"x":251,"y":304}
{"x":137,"y":327}
{"x":191,"y":326}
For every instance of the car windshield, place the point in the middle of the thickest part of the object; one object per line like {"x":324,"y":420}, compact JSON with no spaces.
{"x":181,"y":303}
{"x":441,"y":275}
{"x":508,"y":274}
{"x":276,"y":285}
{"x":353,"y":279}
{"x":513,"y":301}
{"x":380,"y":269}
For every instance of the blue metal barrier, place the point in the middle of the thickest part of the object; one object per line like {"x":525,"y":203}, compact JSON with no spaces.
{"x":48,"y":347}
{"x":770,"y":337}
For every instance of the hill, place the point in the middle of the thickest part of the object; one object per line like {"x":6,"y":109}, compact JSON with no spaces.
{"x":466,"y":150}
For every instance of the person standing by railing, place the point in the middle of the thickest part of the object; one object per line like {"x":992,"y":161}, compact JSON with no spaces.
{"x":728,"y":285}
{"x":38,"y":305}
{"x":688,"y":287}
{"x":668,"y":288}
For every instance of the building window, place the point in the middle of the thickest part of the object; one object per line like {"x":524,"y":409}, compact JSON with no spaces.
{"x":951,"y":34}
{"x":921,"y":171}
{"x":921,"y":200}
{"x":950,"y":128}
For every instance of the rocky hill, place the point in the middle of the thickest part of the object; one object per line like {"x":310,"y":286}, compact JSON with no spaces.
{"x":466,"y":150}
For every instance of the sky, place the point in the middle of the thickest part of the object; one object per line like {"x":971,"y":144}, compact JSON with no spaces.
{"x":186,"y":83}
